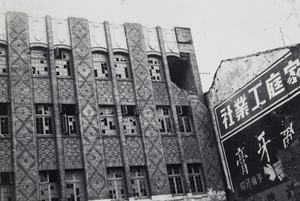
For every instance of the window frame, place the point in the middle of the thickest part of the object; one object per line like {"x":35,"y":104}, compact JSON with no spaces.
{"x":6,"y":189}
{"x":32,"y":58}
{"x":5,"y":120}
{"x":101,"y":67}
{"x":108,"y":116}
{"x":130,"y":116}
{"x":184,"y":119}
{"x":59,"y":60}
{"x":116,"y":182}
{"x":196,"y":178}
{"x":44,"y":118}
{"x":120,"y":64}
{"x":164,"y":120}
{"x":49,"y":184}
{"x":66,"y":117}
{"x":5,"y":60}
{"x":139,"y":179}
{"x":75,"y":182}
{"x":152,"y":67}
{"x":174,"y":179}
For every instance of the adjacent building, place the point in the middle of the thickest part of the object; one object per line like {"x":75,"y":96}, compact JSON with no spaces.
{"x":254,"y":104}
{"x":100,"y":111}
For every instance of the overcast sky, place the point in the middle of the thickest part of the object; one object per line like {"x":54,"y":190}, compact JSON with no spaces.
{"x":221,"y":29}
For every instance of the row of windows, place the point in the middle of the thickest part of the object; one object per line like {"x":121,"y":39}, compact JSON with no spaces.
{"x":108,"y":125}
{"x":49,"y":183}
{"x":63,"y":64}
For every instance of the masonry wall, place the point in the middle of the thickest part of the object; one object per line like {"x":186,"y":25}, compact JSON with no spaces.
{"x":80,"y":164}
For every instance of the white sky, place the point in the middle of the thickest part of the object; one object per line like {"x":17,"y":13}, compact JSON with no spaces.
{"x":221,"y":29}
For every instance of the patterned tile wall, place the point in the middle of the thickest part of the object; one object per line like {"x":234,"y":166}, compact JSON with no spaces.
{"x":171,"y":150}
{"x":180,"y":96}
{"x":47,"y":154}
{"x":105,"y":92}
{"x":22,"y":104}
{"x":160,"y":93}
{"x":3,"y":89}
{"x":88,"y":109}
{"x":72,"y":153}
{"x":41,"y":90}
{"x":112,"y":152}
{"x":5,"y":155}
{"x":66,"y":90}
{"x":208,"y":145}
{"x":135,"y":151}
{"x":126,"y":92}
{"x":145,"y":100}
{"x":191,"y":150}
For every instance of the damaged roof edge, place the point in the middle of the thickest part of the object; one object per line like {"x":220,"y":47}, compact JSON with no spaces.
{"x":246,"y":56}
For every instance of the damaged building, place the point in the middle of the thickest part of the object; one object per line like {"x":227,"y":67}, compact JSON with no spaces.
{"x":101,"y":111}
{"x":254,"y":104}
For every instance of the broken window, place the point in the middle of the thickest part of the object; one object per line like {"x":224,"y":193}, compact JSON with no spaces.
{"x":121,"y":62}
{"x":181,"y":72}
{"x":100,"y":63}
{"x":116,"y":187}
{"x":39,"y":62}
{"x":130,"y":124}
{"x":155,"y":67}
{"x":184,"y":119}
{"x":69,"y":119}
{"x":107,"y":120}
{"x":63,"y":63}
{"x":43,"y":119}
{"x":4,"y":117}
{"x":48,"y":188}
{"x":3,"y":59}
{"x":139,"y":182}
{"x":164,"y":120}
{"x":196,"y":178}
{"x":75,"y":185}
{"x":6,"y":186}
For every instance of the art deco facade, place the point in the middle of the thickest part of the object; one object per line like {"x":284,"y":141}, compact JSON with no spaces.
{"x":98,"y":111}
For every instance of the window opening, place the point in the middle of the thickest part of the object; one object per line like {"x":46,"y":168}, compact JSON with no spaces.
{"x":195,"y":177}
{"x":155,"y":68}
{"x":6,"y":186}
{"x":3,"y":60}
{"x":175,"y":181}
{"x":116,"y":187}
{"x":69,"y":119}
{"x":130,"y":124}
{"x":63,"y":63}
{"x":48,"y":188}
{"x":122,"y":66}
{"x":39,"y":62}
{"x":139,"y":182}
{"x":43,"y":119}
{"x":184,"y":119}
{"x":4,"y":117}
{"x":100,"y":63}
{"x":107,"y":120}
{"x":75,"y":185}
{"x":164,"y":120}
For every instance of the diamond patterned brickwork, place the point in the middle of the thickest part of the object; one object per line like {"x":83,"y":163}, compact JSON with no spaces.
{"x":72,"y":153}
{"x":126,"y":92}
{"x":47,"y":154}
{"x":88,"y":109}
{"x":208,"y":145}
{"x":183,"y":35}
{"x":145,"y":100}
{"x":112,"y":152}
{"x":66,"y":90}
{"x":135,"y":151}
{"x":105,"y":92}
{"x":171,"y":150}
{"x":191,"y":150}
{"x":22,"y":104}
{"x":5,"y":155}
{"x":3,"y":89}
{"x":160,"y":93}
{"x":180,"y":97}
{"x":41,"y":90}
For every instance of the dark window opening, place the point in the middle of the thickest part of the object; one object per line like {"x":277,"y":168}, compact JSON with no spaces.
{"x":181,"y":72}
{"x":69,"y":119}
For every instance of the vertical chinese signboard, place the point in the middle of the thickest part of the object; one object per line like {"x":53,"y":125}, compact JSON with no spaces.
{"x":256,"y":122}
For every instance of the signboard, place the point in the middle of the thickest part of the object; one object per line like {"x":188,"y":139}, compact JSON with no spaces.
{"x":256,"y":122}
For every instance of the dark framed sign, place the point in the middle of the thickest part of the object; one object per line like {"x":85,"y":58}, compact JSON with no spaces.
{"x":258,"y":121}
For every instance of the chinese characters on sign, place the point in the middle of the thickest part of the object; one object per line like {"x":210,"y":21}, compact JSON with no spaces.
{"x":258,"y":121}
{"x":279,"y":81}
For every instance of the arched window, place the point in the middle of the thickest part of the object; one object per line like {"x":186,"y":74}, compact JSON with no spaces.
{"x":3,"y":59}
{"x":100,"y":63}
{"x":122,"y":66}
{"x":39,"y":62}
{"x":63,"y":63}
{"x":155,"y":67}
